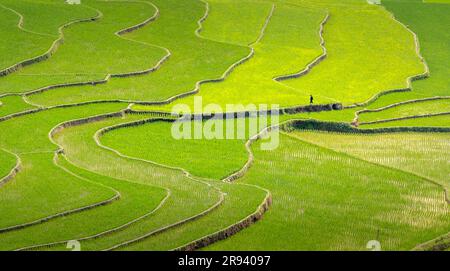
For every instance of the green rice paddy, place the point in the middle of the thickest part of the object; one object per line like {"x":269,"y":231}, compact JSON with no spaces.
{"x":88,"y":151}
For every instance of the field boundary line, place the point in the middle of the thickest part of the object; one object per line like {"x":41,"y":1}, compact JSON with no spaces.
{"x":200,"y":28}
{"x":437,"y":244}
{"x":64,"y":213}
{"x":171,"y":226}
{"x":411,"y":78}
{"x":71,"y":123}
{"x":241,"y":172}
{"x":345,"y":128}
{"x":203,"y":241}
{"x":106,"y":232}
{"x":224,"y":234}
{"x":225,"y":74}
{"x":250,"y":219}
{"x":440,"y":243}
{"x":104,"y":130}
{"x":107,"y":129}
{"x":120,"y":34}
{"x":406,"y":118}
{"x":230,"y":230}
{"x":17,"y":167}
{"x":309,"y":67}
{"x":313,"y":63}
{"x":202,"y":20}
{"x":40,"y":108}
{"x":21,"y":23}
{"x":168,"y":100}
{"x":359,"y":112}
{"x":141,"y":24}
{"x":130,"y":29}
{"x":54,"y":47}
{"x":118,"y":114}
{"x":263,"y":29}
{"x":286,"y":110}
{"x":294,"y":120}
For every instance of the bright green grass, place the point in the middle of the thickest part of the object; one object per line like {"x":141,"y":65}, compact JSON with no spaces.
{"x":207,"y":158}
{"x":313,"y":208}
{"x":268,"y":175}
{"x":46,"y":16}
{"x":41,"y":21}
{"x":374,"y":55}
{"x":158,"y":145}
{"x":424,"y":154}
{"x":323,"y":200}
{"x":287,"y":46}
{"x":383,"y":61}
{"x":437,"y":1}
{"x":407,"y":110}
{"x":41,"y":189}
{"x":240,"y":201}
{"x":13,"y":104}
{"x":346,"y":115}
{"x":193,"y":59}
{"x":32,"y":44}
{"x":136,"y":200}
{"x":7,"y":162}
{"x":92,"y":50}
{"x":430,"y":22}
{"x":188,"y":197}
{"x":434,"y":121}
{"x":17,"y":136}
{"x":236,"y":22}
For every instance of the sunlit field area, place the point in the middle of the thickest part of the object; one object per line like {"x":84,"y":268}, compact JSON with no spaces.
{"x":224,"y":125}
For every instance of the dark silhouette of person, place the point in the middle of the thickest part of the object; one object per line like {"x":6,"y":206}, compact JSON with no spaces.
{"x":311,"y":99}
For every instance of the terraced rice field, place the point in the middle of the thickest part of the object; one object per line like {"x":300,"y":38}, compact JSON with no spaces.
{"x":359,"y":150}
